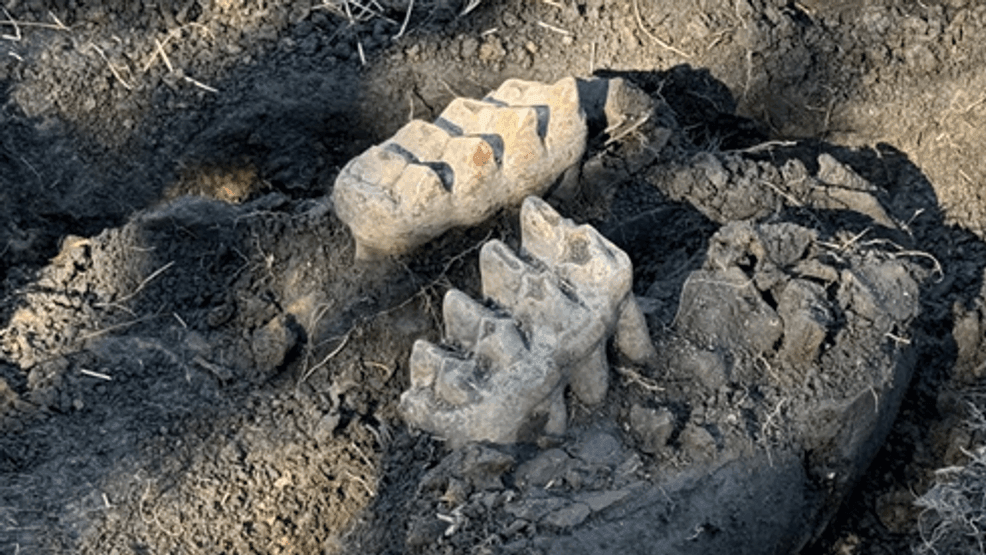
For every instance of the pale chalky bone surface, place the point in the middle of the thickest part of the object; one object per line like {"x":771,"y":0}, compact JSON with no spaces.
{"x":503,"y":381}
{"x":477,"y":157}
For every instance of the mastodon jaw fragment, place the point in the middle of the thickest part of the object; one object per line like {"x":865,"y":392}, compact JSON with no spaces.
{"x":478,"y":156}
{"x":502,"y":378}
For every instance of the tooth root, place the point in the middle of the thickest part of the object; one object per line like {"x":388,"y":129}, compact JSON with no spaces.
{"x":632,"y":338}
{"x":557,"y":414}
{"x":590,"y":376}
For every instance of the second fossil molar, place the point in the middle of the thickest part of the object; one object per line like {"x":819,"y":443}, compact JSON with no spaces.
{"x":557,"y":304}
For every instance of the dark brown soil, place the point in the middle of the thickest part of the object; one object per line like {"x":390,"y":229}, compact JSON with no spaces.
{"x":211,"y":373}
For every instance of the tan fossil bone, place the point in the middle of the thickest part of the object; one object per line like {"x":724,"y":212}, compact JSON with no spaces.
{"x":557,"y":305}
{"x":477,"y":157}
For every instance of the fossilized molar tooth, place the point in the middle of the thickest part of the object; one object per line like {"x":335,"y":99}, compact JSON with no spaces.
{"x":562,"y":300}
{"x":489,"y":396}
{"x":478,"y":156}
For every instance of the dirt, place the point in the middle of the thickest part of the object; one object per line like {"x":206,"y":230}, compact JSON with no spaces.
{"x":191,"y":362}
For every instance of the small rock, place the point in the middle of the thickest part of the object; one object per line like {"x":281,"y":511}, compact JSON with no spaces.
{"x":897,"y":511}
{"x":271,"y":344}
{"x":517,"y":546}
{"x":806,"y":315}
{"x":698,"y":442}
{"x":600,"y":500}
{"x":469,"y":47}
{"x":456,"y":493}
{"x":425,"y":532}
{"x":326,"y":425}
{"x":627,"y":471}
{"x":283,"y":482}
{"x":537,"y":508}
{"x":653,"y":427}
{"x":8,"y":397}
{"x":483,"y":466}
{"x":569,"y":516}
{"x":492,"y":50}
{"x":548,"y":466}
{"x":602,"y":449}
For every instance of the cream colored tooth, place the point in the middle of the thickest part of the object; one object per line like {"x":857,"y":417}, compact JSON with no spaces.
{"x":524,"y":161}
{"x":565,"y":130}
{"x":523,"y":152}
{"x":377,"y":167}
{"x":488,"y":155}
{"x":468,"y":116}
{"x":566,"y":135}
{"x":549,"y":337}
{"x":463,"y":317}
{"x":425,"y":141}
{"x":476,"y":176}
{"x":419,"y":190}
{"x":500,"y":269}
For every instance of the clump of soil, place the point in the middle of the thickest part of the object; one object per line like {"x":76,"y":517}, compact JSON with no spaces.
{"x":214,"y":374}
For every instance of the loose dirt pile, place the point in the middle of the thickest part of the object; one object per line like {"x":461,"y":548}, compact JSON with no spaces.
{"x":214,"y":373}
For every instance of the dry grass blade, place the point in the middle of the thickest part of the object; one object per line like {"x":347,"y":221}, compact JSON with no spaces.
{"x":407,"y":18}
{"x":661,"y":43}
{"x":359,"y":49}
{"x":147,"y":280}
{"x":473,"y":4}
{"x":558,"y":30}
{"x":93,"y":374}
{"x":57,"y":26}
{"x":328,"y":357}
{"x":164,"y":56}
{"x":17,"y":30}
{"x":627,"y":131}
{"x":635,"y":377}
{"x":58,"y":23}
{"x":122,"y":325}
{"x":201,"y":85}
{"x":113,"y":69}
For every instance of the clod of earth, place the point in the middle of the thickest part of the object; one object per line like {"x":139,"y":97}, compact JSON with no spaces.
{"x":569,"y":297}
{"x":477,"y":157}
